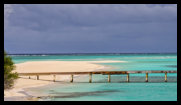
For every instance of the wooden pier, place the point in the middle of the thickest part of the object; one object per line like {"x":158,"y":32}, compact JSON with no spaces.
{"x":109,"y":73}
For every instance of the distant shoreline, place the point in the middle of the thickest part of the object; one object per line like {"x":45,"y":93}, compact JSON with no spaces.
{"x":87,"y":53}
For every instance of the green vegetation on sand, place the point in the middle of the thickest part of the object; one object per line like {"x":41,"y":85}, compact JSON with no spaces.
{"x":9,"y":76}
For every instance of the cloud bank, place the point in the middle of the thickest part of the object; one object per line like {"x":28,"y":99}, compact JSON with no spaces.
{"x":87,"y":28}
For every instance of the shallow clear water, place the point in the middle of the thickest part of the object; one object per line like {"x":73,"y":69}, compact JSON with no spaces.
{"x":118,"y":89}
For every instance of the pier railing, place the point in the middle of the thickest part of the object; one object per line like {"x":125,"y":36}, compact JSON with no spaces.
{"x":109,"y":73}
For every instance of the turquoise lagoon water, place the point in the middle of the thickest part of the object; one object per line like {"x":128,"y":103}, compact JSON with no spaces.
{"x":118,"y":89}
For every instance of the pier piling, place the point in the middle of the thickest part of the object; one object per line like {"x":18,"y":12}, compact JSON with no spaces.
{"x":54,"y":77}
{"x":90,"y":77}
{"x":109,"y":78}
{"x":146,"y":77}
{"x":165,"y":76}
{"x":71,"y":78}
{"x":128,"y":77}
{"x":37,"y":77}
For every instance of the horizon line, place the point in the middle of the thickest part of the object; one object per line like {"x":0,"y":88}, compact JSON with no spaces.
{"x":89,"y":53}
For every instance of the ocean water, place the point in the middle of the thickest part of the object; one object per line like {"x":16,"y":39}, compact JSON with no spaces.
{"x":118,"y":90}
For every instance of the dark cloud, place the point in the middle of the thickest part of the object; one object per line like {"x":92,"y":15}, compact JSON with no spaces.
{"x":91,"y":28}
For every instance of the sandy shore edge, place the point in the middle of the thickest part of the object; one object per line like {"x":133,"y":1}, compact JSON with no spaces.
{"x":18,"y":91}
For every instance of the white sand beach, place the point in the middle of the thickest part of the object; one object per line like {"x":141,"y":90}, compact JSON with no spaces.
{"x":49,"y":66}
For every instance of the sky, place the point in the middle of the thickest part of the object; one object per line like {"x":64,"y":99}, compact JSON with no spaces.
{"x":90,"y":28}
